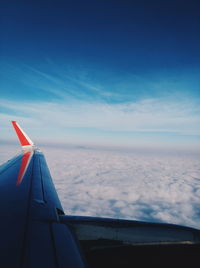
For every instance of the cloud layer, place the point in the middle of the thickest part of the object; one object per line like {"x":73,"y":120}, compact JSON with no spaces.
{"x":138,"y":185}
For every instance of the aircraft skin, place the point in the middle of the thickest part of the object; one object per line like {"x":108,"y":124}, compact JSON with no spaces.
{"x":31,"y":234}
{"x":35,"y":232}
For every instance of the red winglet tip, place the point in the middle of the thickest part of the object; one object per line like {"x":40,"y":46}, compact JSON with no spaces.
{"x":23,"y":138}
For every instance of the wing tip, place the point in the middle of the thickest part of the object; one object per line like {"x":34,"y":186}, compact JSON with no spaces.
{"x":24,"y":140}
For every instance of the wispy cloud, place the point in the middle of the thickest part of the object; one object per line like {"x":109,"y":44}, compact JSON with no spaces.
{"x":54,"y":81}
{"x":146,"y":115}
{"x":75,"y":101}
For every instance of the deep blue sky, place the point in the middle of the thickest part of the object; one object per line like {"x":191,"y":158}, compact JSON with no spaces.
{"x":105,"y":69}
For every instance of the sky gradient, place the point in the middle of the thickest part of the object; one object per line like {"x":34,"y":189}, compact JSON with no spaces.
{"x":102,"y":72}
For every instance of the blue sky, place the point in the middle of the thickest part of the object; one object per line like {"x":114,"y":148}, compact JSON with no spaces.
{"x":102,"y":72}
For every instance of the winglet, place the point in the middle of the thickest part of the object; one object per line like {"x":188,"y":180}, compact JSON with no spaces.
{"x":25,"y":141}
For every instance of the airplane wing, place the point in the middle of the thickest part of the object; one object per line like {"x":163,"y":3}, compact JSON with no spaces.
{"x":35,"y":232}
{"x":31,"y":234}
